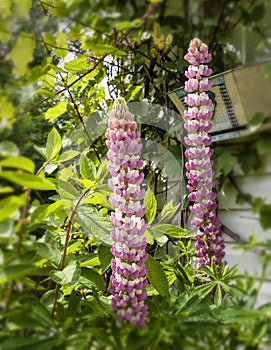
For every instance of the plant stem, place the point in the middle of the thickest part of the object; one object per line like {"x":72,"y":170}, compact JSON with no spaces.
{"x":67,"y":238}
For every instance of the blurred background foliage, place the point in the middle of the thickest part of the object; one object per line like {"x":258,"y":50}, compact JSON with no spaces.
{"x":62,"y":63}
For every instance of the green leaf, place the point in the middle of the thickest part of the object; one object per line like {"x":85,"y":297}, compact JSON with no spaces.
{"x":249,"y":160}
{"x":264,"y":144}
{"x":150,"y":203}
{"x":38,"y":343}
{"x":99,"y":199}
{"x":19,"y":162}
{"x":257,"y":120}
{"x":157,"y":276}
{"x":265,"y":216}
{"x":74,"y":301}
{"x":224,"y":161}
{"x":168,"y":212}
{"x":171,"y":230}
{"x":8,"y":148}
{"x":69,"y":275}
{"x":94,"y":277}
{"x":87,"y":168}
{"x":105,"y":256}
{"x":239,"y":314}
{"x":48,"y":251}
{"x":9,"y":205}
{"x":78,"y":65}
{"x":204,"y":290}
{"x":22,"y":52}
{"x":28,"y":180}
{"x":46,"y":210}
{"x":102,"y":171}
{"x":68,"y":155}
{"x":102,"y":49}
{"x":53,"y":145}
{"x":267,"y":70}
{"x":218,"y":296}
{"x":67,"y":190}
{"x":8,"y":273}
{"x":54,"y":112}
{"x":6,"y":229}
{"x":41,"y":150}
{"x":99,"y":226}
{"x":134,"y":93}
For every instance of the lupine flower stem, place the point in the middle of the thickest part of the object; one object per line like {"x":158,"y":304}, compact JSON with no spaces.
{"x":129,"y":246}
{"x":209,"y":243}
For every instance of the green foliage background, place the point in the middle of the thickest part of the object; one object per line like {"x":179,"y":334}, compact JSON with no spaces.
{"x":62,"y":63}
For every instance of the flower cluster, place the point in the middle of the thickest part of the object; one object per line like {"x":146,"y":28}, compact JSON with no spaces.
{"x":200,"y":183}
{"x":129,"y":246}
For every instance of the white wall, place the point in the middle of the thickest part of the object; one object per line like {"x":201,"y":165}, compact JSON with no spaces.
{"x":240,"y":219}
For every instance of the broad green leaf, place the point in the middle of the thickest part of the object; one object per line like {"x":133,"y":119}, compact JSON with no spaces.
{"x":168,"y":212}
{"x":61,"y":44}
{"x":48,"y":251}
{"x":94,"y":277}
{"x":8,"y":210}
{"x":22,"y":52}
{"x":49,"y":40}
{"x":102,"y":171}
{"x":41,"y":150}
{"x":87,"y":168}
{"x":99,"y":199}
{"x":21,"y":9}
{"x":150,"y":203}
{"x":78,"y":65}
{"x":157,"y":276}
{"x":67,"y":190}
{"x":149,"y":236}
{"x":18,"y":162}
{"x":102,"y":49}
{"x":68,"y":155}
{"x":105,"y":256}
{"x":98,"y":225}
{"x":134,"y":93}
{"x":257,"y":120}
{"x":11,"y":272}
{"x":249,"y":160}
{"x":224,"y":161}
{"x":69,"y":275}
{"x":54,"y":112}
{"x":6,"y":108}
{"x":28,"y":180}
{"x":264,"y":144}
{"x":6,"y":229}
{"x":74,"y":301}
{"x":171,"y":230}
{"x":6,"y":189}
{"x":53,"y":145}
{"x":8,"y":148}
{"x":265,"y":216}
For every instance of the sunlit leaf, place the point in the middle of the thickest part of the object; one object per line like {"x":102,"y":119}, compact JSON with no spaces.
{"x":157,"y":276}
{"x":18,"y":162}
{"x":150,"y":203}
{"x":54,"y":112}
{"x":28,"y":180}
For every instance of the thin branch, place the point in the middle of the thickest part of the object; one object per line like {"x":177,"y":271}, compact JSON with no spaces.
{"x":67,"y":238}
{"x":26,"y":110}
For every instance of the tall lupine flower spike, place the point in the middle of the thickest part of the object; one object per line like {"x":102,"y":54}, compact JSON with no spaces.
{"x":129,"y":246}
{"x":200,"y":184}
